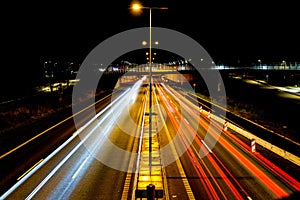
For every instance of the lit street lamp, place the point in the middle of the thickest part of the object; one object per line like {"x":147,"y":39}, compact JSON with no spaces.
{"x":136,"y":8}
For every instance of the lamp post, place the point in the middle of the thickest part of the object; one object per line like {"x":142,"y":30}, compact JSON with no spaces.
{"x":259,"y":61}
{"x":137,"y":7}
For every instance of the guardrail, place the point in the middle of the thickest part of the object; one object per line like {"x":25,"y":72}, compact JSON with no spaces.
{"x":275,"y":149}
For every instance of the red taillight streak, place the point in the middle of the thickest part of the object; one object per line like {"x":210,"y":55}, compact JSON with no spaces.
{"x":199,"y":170}
{"x":277,"y":190}
{"x":267,"y":163}
{"x":221,"y":173}
{"x":201,"y":173}
{"x":279,"y":172}
{"x":202,"y":176}
{"x":263,"y":177}
{"x":203,"y":124}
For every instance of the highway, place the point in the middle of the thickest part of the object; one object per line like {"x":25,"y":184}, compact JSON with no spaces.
{"x":101,"y":159}
{"x":229,"y":170}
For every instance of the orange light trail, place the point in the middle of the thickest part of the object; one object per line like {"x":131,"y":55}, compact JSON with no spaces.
{"x":197,"y":166}
{"x":272,"y":185}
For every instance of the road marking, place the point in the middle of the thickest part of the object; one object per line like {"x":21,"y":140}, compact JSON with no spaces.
{"x":179,"y":166}
{"x":80,"y":167}
{"x":126,"y":186}
{"x":186,"y":121}
{"x":129,"y":175}
{"x":210,"y":151}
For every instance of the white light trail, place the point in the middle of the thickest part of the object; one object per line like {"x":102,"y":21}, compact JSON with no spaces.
{"x":94,"y":141}
{"x":15,"y":186}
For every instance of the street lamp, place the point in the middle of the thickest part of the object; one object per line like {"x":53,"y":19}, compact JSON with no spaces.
{"x":259,"y":61}
{"x":137,"y":8}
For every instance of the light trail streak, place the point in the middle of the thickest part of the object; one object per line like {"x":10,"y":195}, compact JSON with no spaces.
{"x":94,"y":142}
{"x":62,"y":163}
{"x":15,"y":186}
{"x":216,"y":167}
{"x":173,"y":150}
{"x":210,"y":190}
{"x":265,"y":162}
{"x":97,"y":141}
{"x":276,"y":189}
{"x":279,"y":172}
{"x":231,"y":176}
{"x":85,"y":159}
{"x":211,"y":138}
{"x":42,"y":133}
{"x":259,"y":125}
{"x":267,"y":181}
{"x":226,"y":179}
{"x":207,"y":185}
{"x":29,"y":169}
{"x":139,"y":150}
{"x":210,"y":156}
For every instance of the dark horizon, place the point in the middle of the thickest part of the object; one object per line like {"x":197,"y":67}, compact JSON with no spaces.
{"x":231,"y":33}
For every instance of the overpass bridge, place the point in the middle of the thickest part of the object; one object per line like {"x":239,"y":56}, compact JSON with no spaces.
{"x":165,"y":68}
{"x":278,"y":74}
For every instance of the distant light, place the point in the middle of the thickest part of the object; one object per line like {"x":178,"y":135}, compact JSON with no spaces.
{"x":144,"y":43}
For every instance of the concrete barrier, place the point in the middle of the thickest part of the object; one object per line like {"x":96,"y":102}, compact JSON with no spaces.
{"x":275,"y":149}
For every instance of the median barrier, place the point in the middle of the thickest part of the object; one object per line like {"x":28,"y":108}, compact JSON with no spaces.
{"x":275,"y":149}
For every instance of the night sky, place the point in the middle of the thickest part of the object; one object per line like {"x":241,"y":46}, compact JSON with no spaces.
{"x":229,"y":31}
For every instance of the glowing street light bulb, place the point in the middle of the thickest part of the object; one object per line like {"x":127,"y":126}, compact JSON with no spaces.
{"x":136,"y":7}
